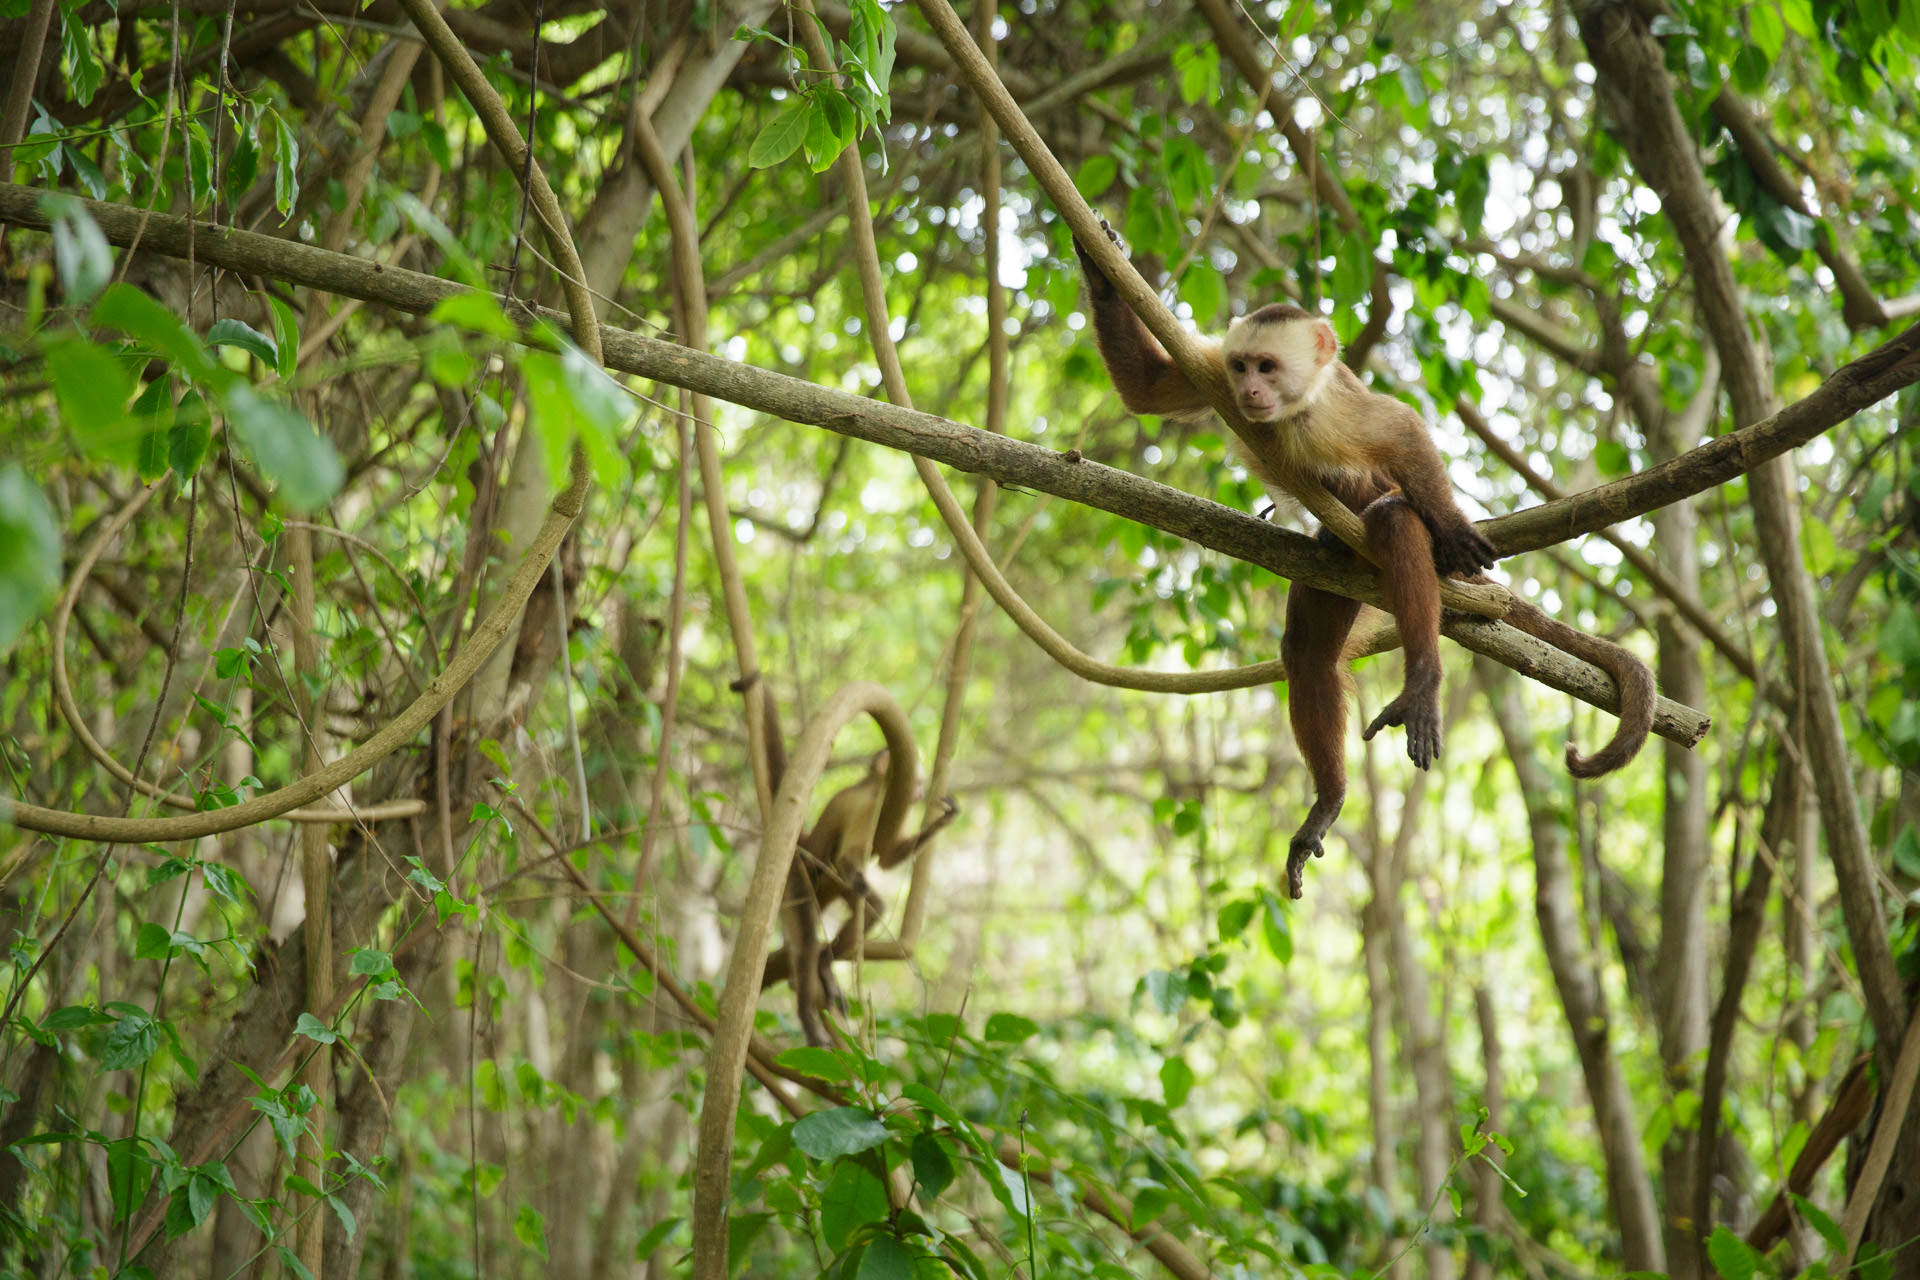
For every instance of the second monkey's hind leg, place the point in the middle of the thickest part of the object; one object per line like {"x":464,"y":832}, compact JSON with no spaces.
{"x":1399,"y":543}
{"x":1317,"y":626}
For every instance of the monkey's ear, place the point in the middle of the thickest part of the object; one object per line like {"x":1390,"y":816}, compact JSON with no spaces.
{"x":1325,"y":345}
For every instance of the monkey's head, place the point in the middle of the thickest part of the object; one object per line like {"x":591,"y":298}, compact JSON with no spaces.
{"x":1278,"y":359}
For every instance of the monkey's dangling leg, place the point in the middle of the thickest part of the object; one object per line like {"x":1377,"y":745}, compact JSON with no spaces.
{"x":1317,"y":626}
{"x":1399,"y":543}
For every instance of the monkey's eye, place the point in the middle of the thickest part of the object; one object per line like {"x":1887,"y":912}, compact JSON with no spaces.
{"x":1267,"y":366}
{"x":1238,"y":366}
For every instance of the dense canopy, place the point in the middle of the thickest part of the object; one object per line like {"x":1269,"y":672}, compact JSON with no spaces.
{"x":476,"y":482}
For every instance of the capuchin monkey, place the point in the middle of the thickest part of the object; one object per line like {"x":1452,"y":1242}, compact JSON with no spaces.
{"x":827,"y":868}
{"x":1311,"y":417}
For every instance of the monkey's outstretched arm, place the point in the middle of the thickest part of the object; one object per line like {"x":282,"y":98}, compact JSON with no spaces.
{"x":1143,"y":373}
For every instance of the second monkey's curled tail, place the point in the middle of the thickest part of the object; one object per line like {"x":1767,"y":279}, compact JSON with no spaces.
{"x":1628,"y":672}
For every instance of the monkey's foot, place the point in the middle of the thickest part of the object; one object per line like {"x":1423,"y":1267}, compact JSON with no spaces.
{"x":1419,"y":711}
{"x":1297,"y":851}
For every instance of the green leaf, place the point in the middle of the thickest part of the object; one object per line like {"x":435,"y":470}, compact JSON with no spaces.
{"x":1817,"y":541}
{"x":367,"y":961}
{"x":1234,"y":918}
{"x":243,"y":166}
{"x":286,"y":446}
{"x":136,"y":314}
{"x":348,"y":1225}
{"x":1009,"y":1028}
{"x":228,"y":332}
{"x":179,"y":1218}
{"x":83,"y":70}
{"x":474,"y":310}
{"x":1012,"y":1191}
{"x":886,"y":1259}
{"x":656,"y":1235}
{"x":1906,"y":852}
{"x":199,"y":164}
{"x":932,"y":1102}
{"x":1750,"y":67}
{"x":1731,"y":1256}
{"x":821,"y":1064}
{"x":529,"y":1228}
{"x":840,"y":1131}
{"x":781,"y":136}
{"x":1204,"y":289}
{"x":73,"y":1017}
{"x":314,"y":1029}
{"x":1767,"y":30}
{"x":854,"y":1198}
{"x":29,"y":553}
{"x":1900,"y":635}
{"x":932,"y":1166}
{"x":156,"y":942}
{"x":571,"y":397}
{"x":1276,"y":927}
{"x":1199,"y":68}
{"x":1822,"y":1221}
{"x":1097,"y":173}
{"x":201,"y":1193}
{"x":1168,"y":990}
{"x":92,"y":388}
{"x":191,"y":433}
{"x":286,"y":337}
{"x":134,"y":1038}
{"x":129,"y":1174}
{"x":1149,"y":1203}
{"x":1176,"y":1081}
{"x":286,"y":164}
{"x":824,"y":140}
{"x":151,"y":462}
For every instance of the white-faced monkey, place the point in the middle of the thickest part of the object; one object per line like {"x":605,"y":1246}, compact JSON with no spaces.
{"x":1312,"y":417}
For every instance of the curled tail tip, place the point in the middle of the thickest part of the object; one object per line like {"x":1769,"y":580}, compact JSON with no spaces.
{"x":1636,"y":721}
{"x":1601,"y":762}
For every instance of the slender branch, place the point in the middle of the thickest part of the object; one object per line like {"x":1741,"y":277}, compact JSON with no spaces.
{"x":1866,"y":381}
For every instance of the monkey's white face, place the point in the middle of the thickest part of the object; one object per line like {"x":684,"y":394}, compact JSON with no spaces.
{"x":1277,"y":368}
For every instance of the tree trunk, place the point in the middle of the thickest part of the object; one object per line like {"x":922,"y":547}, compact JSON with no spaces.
{"x":1576,"y":976}
{"x":1680,"y":974}
{"x":1489,"y":1186}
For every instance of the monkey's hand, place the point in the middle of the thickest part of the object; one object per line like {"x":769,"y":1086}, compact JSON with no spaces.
{"x":1097,"y":283}
{"x":1419,"y":710}
{"x":1461,"y":549}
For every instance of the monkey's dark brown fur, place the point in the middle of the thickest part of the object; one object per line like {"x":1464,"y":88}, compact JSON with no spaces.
{"x":1310,"y":417}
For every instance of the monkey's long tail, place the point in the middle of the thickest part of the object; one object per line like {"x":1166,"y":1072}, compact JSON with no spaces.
{"x":1628,"y":672}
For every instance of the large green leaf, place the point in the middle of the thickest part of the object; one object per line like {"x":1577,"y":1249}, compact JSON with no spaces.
{"x":290,"y":452}
{"x":29,"y":553}
{"x":841,"y":1131}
